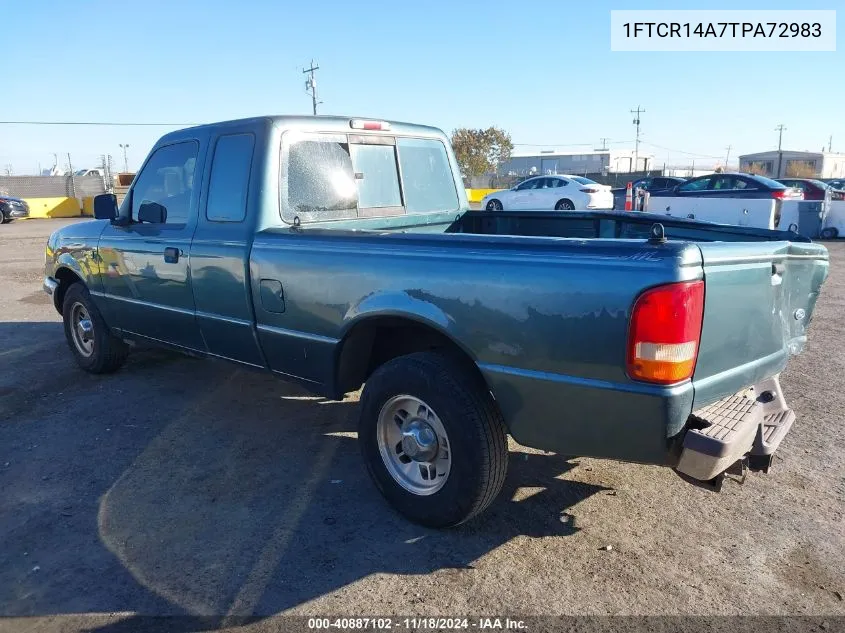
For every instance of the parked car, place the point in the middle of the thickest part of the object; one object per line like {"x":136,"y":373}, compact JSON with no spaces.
{"x":558,"y":192}
{"x":813,"y":189}
{"x":732,"y":185}
{"x":837,"y":184}
{"x":650,"y":184}
{"x":334,"y":253}
{"x":12,"y":208}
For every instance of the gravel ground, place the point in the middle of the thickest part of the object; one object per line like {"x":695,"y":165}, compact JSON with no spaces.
{"x":189,"y":487}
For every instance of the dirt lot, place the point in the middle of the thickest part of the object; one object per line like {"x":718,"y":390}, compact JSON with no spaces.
{"x":180,"y":486}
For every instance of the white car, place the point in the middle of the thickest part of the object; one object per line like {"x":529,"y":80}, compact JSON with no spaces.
{"x":558,"y":192}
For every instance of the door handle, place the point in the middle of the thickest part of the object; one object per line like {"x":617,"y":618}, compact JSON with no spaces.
{"x":171,"y":255}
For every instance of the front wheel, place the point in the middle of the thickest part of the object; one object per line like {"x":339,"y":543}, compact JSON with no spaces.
{"x":4,"y":219}
{"x":564,"y":205}
{"x":432,"y":438}
{"x":494,"y":205}
{"x":93,"y":346}
{"x":829,"y":233}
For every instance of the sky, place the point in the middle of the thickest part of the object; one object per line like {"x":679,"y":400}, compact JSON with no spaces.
{"x":544,"y":72}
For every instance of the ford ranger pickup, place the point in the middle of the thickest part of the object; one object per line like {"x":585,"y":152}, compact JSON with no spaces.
{"x":340,"y":252}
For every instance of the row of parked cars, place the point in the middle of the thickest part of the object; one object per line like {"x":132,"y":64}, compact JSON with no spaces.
{"x":564,"y":192}
{"x":738,"y":185}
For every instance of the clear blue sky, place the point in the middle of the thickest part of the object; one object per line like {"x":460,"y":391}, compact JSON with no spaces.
{"x":544,"y":72}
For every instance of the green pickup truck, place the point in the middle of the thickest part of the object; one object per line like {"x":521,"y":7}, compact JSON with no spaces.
{"x":338,"y":252}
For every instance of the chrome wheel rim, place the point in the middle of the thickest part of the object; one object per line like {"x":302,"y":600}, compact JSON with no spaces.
{"x":82,"y":329}
{"x":414,"y":445}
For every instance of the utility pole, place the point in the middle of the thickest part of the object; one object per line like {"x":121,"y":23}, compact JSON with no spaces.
{"x":637,"y":113}
{"x":311,"y":85}
{"x":728,"y":156}
{"x":72,"y":184}
{"x":779,"y":129}
{"x":604,"y":143}
{"x":125,"y":159}
{"x":830,"y":143}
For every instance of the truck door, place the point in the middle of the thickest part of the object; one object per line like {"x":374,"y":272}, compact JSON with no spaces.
{"x":146,"y":265}
{"x":220,"y":251}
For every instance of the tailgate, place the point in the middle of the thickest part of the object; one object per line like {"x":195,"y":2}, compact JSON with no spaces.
{"x":759,"y":298}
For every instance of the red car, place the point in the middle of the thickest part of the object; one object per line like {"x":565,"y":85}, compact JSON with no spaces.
{"x":813,"y":189}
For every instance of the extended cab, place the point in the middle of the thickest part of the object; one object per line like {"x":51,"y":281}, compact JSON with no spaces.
{"x":337,"y":252}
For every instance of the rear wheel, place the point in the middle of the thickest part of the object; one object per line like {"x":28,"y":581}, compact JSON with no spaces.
{"x":494,"y":205}
{"x":829,"y":233}
{"x":93,"y":346}
{"x":564,"y":205}
{"x":432,"y":438}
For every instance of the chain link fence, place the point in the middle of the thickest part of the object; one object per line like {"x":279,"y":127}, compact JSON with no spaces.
{"x":52,"y":186}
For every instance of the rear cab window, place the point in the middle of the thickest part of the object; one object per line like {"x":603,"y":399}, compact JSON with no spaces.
{"x":229,"y":182}
{"x":328,"y":176}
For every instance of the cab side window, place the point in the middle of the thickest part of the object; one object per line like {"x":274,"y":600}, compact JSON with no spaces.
{"x":168,"y":179}
{"x":229,"y":182}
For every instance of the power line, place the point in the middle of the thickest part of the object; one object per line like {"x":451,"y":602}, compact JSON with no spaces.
{"x":679,"y":151}
{"x":96,"y":123}
{"x":606,"y":141}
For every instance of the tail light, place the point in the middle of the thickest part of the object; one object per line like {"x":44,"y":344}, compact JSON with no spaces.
{"x":787,"y":194}
{"x":361,"y":124}
{"x":665,"y":332}
{"x":589,"y":190}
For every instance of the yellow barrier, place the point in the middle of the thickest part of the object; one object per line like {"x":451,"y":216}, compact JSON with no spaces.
{"x":53,"y":207}
{"x":477,"y":195}
{"x":88,"y":206}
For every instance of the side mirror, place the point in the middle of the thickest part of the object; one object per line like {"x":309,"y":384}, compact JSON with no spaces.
{"x":152,"y":213}
{"x":105,"y":206}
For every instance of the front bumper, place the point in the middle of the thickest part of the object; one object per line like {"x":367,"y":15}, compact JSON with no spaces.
{"x":15,"y":211}
{"x":50,"y":286}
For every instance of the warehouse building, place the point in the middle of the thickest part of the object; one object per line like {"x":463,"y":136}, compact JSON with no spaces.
{"x":786,"y":164}
{"x":607,"y":161}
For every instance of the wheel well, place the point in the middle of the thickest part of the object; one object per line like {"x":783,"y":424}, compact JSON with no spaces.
{"x":373,"y":342}
{"x":66,"y":278}
{"x":564,"y":200}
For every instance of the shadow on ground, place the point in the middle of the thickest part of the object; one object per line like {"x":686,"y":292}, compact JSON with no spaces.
{"x":184,"y":487}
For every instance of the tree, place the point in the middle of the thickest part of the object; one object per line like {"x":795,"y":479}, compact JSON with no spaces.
{"x":481,"y":151}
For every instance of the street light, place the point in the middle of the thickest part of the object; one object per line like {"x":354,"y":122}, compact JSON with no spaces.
{"x":125,"y":159}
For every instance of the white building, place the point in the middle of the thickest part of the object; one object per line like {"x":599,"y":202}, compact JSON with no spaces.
{"x":579,"y":162}
{"x":783,"y":164}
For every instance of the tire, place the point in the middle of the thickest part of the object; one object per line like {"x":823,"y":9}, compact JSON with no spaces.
{"x":93,"y":346}
{"x":564,"y":205}
{"x":494,"y":205}
{"x":475,"y":439}
{"x":830,"y":233}
{"x":3,"y":218}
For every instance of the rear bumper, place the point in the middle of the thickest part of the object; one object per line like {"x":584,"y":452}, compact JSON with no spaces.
{"x":751,"y":424}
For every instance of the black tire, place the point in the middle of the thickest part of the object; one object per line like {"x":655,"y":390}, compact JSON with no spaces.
{"x":3,"y":218}
{"x":494,"y":205}
{"x":830,"y":233}
{"x":564,"y":205}
{"x":108,"y":353}
{"x":476,"y":435}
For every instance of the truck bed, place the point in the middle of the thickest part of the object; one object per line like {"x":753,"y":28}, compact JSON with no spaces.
{"x":543,"y":309}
